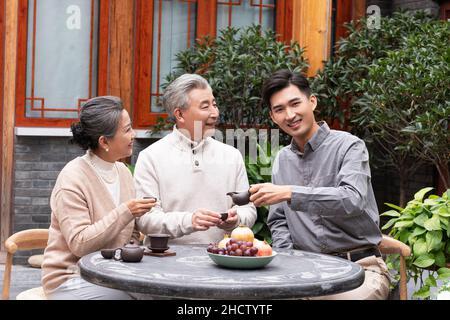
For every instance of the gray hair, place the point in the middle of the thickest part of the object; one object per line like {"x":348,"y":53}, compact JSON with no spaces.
{"x":99,"y":116}
{"x":176,"y":93}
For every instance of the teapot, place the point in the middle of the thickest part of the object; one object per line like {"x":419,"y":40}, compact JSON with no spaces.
{"x":240,"y":198}
{"x":130,"y":252}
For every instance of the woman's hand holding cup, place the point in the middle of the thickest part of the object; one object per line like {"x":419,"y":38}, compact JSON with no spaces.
{"x":139,"y":207}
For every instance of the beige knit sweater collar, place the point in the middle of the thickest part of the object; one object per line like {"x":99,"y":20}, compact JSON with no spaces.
{"x":185,"y":144}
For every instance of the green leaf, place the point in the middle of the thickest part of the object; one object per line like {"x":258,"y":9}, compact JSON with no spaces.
{"x":433,"y":224}
{"x":389,"y":224}
{"x":418,"y":231}
{"x":404,"y":224}
{"x":390,"y":213}
{"x":430,"y":202}
{"x":420,"y":247}
{"x":400,"y":209}
{"x":421,"y":193}
{"x":440,"y":259}
{"x":444,"y":273}
{"x":443,"y":212}
{"x":431,"y":281}
{"x":433,"y":239}
{"x":423,"y":292}
{"x":448,"y":230}
{"x":420,"y":220}
{"x":424,"y":261}
{"x":404,"y":235}
{"x":257,"y":227}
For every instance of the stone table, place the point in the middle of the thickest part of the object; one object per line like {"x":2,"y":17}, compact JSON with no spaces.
{"x":191,"y":274}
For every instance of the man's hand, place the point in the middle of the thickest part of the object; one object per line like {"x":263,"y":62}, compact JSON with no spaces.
{"x":268,"y":193}
{"x":231,"y":221}
{"x":203,"y":219}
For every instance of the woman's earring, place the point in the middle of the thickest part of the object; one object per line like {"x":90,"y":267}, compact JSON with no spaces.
{"x":106,"y":149}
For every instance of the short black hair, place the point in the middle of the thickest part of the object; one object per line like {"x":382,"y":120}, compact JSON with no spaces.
{"x":282,"y":79}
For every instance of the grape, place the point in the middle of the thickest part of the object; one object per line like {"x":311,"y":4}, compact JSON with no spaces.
{"x":234,"y":248}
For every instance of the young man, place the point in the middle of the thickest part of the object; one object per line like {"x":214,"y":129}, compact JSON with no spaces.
{"x":190,"y":173}
{"x":321,"y":199}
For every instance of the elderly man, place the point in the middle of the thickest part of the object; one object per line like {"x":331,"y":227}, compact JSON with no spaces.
{"x":190,"y":173}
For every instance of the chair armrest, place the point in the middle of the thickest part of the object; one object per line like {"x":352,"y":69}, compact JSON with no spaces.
{"x":389,"y":245}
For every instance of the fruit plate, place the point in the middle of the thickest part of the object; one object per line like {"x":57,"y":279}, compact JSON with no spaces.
{"x":241,"y":262}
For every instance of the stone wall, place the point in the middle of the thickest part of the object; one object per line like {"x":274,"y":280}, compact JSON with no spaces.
{"x":428,"y":5}
{"x":38,"y":161}
{"x":387,"y":6}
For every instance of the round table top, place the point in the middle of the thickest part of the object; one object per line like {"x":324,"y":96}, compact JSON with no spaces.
{"x":192,"y":274}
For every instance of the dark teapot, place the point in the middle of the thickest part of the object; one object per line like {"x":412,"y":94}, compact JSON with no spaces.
{"x":240,"y":198}
{"x":130,"y":252}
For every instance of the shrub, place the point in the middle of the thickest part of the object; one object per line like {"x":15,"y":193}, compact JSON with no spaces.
{"x":424,"y":225}
{"x":235,"y":64}
{"x":389,"y":86}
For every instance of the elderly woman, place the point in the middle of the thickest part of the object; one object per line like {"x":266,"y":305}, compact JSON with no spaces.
{"x":93,"y":205}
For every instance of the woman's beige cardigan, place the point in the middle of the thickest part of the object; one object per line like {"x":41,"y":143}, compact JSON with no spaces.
{"x":84,"y":219}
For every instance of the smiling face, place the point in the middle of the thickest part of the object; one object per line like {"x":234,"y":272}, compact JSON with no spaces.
{"x":293,"y":112}
{"x":200,"y":118}
{"x":121,"y":145}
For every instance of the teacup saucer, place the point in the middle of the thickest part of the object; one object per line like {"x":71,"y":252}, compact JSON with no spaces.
{"x":158,"y":250}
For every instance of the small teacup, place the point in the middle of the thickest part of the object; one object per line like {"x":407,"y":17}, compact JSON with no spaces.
{"x":107,"y":253}
{"x":158,"y":241}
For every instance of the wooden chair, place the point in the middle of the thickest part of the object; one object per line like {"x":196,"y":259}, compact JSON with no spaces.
{"x":23,"y":240}
{"x":390,"y":245}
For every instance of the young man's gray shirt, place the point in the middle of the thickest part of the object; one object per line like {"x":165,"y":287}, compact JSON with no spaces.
{"x":333,"y":207}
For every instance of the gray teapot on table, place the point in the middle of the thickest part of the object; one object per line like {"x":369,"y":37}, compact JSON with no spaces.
{"x":130,"y":252}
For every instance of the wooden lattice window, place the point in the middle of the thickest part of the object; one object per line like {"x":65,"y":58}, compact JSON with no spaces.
{"x":240,"y":13}
{"x":159,"y":38}
{"x":57,"y":59}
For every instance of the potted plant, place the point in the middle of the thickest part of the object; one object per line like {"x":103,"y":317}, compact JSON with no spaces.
{"x":424,"y":225}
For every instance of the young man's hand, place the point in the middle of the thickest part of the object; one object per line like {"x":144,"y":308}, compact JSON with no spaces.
{"x":268,"y":193}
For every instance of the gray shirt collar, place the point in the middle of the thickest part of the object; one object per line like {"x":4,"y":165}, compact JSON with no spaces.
{"x":315,"y":141}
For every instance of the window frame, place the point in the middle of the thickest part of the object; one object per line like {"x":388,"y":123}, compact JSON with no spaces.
{"x":206,"y":24}
{"x":103,"y":39}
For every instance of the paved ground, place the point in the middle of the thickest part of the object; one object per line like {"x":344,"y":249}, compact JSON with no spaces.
{"x":22,"y":278}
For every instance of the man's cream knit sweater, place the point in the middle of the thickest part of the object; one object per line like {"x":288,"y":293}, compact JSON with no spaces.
{"x":84,"y":219}
{"x":184,"y":177}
